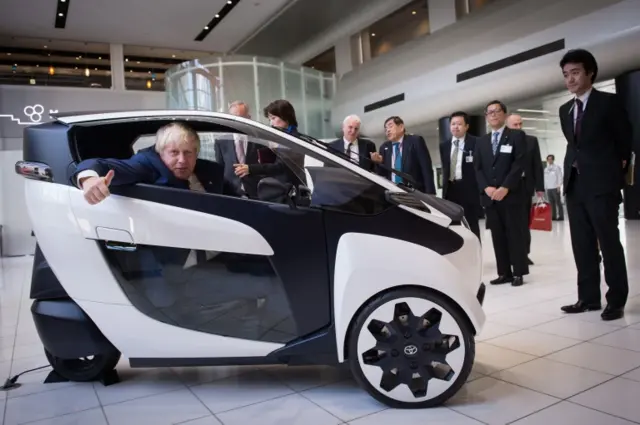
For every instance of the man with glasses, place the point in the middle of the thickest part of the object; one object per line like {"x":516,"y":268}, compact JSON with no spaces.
{"x":499,"y":163}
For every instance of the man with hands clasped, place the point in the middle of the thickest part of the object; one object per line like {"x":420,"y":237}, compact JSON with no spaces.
{"x":499,"y":162}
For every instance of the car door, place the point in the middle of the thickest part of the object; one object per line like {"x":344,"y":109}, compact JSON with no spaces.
{"x":215,"y":264}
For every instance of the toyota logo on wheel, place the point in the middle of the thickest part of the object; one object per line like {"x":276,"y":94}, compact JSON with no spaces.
{"x":410,"y":350}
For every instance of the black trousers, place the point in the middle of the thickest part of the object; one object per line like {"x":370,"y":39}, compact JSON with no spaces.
{"x":593,"y":221}
{"x":557,"y":211}
{"x":460,"y":195}
{"x":526,"y":218}
{"x":507,"y":233}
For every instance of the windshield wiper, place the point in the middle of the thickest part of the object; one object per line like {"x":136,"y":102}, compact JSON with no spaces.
{"x":406,"y":177}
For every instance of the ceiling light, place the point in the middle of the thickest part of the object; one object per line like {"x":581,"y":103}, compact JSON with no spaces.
{"x":37,"y":66}
{"x":131,"y":70}
{"x":373,"y":34}
{"x":62,"y":1}
{"x":8,"y":54}
{"x":207,"y":27}
{"x":87,"y":72}
{"x":535,"y":111}
{"x":45,"y":47}
{"x":60,"y":14}
{"x":217,"y":16}
{"x":52,"y":70}
{"x":414,"y":12}
{"x":148,"y":84}
{"x":100,"y":57}
{"x":173,"y":56}
{"x":229,"y":2}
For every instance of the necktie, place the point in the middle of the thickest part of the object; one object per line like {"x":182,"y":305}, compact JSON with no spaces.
{"x":454,"y":160}
{"x":398,"y":162}
{"x":495,"y":142}
{"x":240,"y":149}
{"x":578,"y":122}
{"x":350,"y":152}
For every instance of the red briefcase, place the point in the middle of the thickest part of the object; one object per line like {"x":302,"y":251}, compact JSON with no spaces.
{"x":540,"y":217}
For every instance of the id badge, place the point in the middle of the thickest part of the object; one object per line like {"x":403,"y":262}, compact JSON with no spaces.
{"x":469,"y":158}
{"x":506,"y":149}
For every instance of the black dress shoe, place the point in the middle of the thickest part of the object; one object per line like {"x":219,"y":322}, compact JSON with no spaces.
{"x":529,"y":261}
{"x":517,"y":281}
{"x":501,"y":280}
{"x":581,"y":307}
{"x":612,"y":313}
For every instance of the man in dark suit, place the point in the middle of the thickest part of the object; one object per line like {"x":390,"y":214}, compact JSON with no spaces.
{"x":238,"y":150}
{"x":172,"y":161}
{"x":459,"y":183}
{"x":499,"y":163}
{"x":599,"y":137}
{"x":355,"y":147}
{"x":533,"y":177}
{"x":407,"y":153}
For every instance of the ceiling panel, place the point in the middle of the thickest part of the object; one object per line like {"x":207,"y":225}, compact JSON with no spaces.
{"x":301,"y":21}
{"x":154,"y":23}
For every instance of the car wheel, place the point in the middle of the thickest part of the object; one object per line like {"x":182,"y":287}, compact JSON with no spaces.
{"x":411,"y":348}
{"x":86,"y":368}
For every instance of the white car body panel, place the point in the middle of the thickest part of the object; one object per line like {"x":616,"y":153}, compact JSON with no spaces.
{"x":82,"y":271}
{"x":151,"y":223}
{"x":368,"y":264}
{"x":148,"y":338}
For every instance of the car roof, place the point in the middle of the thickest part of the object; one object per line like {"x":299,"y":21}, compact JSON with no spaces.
{"x":89,"y":116}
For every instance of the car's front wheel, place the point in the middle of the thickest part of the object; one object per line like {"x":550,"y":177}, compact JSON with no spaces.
{"x":86,"y":368}
{"x":411,"y":348}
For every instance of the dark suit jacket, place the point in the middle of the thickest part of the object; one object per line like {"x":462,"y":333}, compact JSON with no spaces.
{"x":284,"y":164}
{"x":504,"y":169}
{"x":533,"y":171}
{"x":226,"y":156}
{"x":146,"y":166}
{"x":365,"y":148}
{"x":416,"y":162}
{"x":469,"y":181}
{"x":604,"y":143}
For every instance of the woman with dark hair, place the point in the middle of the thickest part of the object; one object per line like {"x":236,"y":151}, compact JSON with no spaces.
{"x":287,"y":166}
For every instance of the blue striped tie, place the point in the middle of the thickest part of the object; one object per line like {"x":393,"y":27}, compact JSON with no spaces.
{"x":398,"y":162}
{"x":495,"y":142}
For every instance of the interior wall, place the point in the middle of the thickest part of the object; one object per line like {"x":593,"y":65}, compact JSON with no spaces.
{"x":23,"y":106}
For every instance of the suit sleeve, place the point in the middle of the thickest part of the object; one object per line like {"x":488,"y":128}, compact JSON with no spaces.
{"x":424,"y":159}
{"x":218,"y":152}
{"x":623,"y":131}
{"x":517,"y":166}
{"x":371,"y":148}
{"x":538,"y":172}
{"x":126,"y":171}
{"x":381,"y":171}
{"x":478,"y":165}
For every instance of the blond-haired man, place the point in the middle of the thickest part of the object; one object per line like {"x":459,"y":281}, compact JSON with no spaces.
{"x":172,"y":161}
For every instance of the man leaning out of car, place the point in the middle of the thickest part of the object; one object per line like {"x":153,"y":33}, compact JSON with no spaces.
{"x":172,"y":161}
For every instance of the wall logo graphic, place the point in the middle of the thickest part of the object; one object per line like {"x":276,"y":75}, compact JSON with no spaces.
{"x":32,"y":112}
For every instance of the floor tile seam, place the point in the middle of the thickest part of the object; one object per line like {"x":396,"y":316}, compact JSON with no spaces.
{"x":240,"y":407}
{"x":600,"y":411}
{"x":332,"y":414}
{"x":283,"y":382}
{"x":536,"y":355}
{"x":60,"y":416}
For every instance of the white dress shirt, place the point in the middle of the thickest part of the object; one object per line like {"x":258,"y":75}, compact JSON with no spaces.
{"x":499,"y":131}
{"x":552,"y":176}
{"x":355,"y":149}
{"x":458,"y":172}
{"x":584,"y":98}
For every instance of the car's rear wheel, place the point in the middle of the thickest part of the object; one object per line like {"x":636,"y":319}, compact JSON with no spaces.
{"x":411,"y":348}
{"x":85,"y":368}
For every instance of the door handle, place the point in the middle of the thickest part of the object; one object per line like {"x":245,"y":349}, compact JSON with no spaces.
{"x":120,"y":246}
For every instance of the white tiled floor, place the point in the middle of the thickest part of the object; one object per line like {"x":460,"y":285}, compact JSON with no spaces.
{"x":534,"y":366}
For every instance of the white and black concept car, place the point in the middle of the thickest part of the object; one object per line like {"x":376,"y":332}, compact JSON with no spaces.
{"x":344,"y":266}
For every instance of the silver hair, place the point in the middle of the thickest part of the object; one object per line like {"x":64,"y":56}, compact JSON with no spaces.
{"x":350,"y":117}
{"x":176,"y":132}
{"x":239,"y":103}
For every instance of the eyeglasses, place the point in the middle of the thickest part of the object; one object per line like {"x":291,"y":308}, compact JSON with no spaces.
{"x":493,"y":112}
